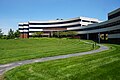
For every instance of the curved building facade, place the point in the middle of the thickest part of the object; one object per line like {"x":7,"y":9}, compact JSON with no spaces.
{"x":47,"y":27}
{"x":107,"y":31}
{"x":87,"y":28}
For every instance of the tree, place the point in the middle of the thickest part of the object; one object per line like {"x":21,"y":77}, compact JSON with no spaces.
{"x":17,"y":34}
{"x":1,"y":34}
{"x":63,"y":34}
{"x":57,"y":34}
{"x":38,"y":34}
{"x":57,"y":19}
{"x":72,"y":33}
{"x":4,"y":37}
{"x":11,"y":34}
{"x":34,"y":34}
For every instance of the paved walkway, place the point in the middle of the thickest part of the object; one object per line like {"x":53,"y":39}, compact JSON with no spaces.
{"x":6,"y":67}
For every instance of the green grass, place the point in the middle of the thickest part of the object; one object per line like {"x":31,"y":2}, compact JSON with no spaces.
{"x":23,"y":49}
{"x":99,"y":66}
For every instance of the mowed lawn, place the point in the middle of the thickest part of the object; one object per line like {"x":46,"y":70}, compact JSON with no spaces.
{"x":99,"y":66}
{"x":22,"y":49}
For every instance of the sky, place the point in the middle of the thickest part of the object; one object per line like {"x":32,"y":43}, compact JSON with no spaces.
{"x":13,"y":12}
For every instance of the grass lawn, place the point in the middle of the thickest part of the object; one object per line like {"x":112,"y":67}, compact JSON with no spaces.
{"x":99,"y":66}
{"x":22,"y":49}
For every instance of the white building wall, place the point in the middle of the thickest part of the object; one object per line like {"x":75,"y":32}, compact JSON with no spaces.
{"x":35,"y":29}
{"x":55,"y":25}
{"x":100,"y":30}
{"x":23,"y":30}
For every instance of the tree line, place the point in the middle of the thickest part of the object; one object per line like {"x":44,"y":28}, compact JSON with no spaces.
{"x":58,"y":34}
{"x":11,"y":34}
{"x":64,"y":34}
{"x":16,"y":34}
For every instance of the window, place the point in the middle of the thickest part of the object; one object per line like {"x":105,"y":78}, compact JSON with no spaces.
{"x":94,"y":22}
{"x":114,"y":15}
{"x":55,"y":22}
{"x":85,"y":21}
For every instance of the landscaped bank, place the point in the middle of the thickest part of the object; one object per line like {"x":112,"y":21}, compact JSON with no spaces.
{"x":24,"y":49}
{"x":99,"y":66}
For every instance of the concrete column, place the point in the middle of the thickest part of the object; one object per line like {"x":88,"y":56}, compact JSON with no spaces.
{"x":87,"y":36}
{"x":99,"y":37}
{"x":51,"y":34}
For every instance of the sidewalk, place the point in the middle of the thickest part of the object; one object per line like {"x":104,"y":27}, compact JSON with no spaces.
{"x":6,"y":67}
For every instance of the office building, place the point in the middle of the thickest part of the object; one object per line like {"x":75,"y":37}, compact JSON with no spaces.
{"x":86,"y":28}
